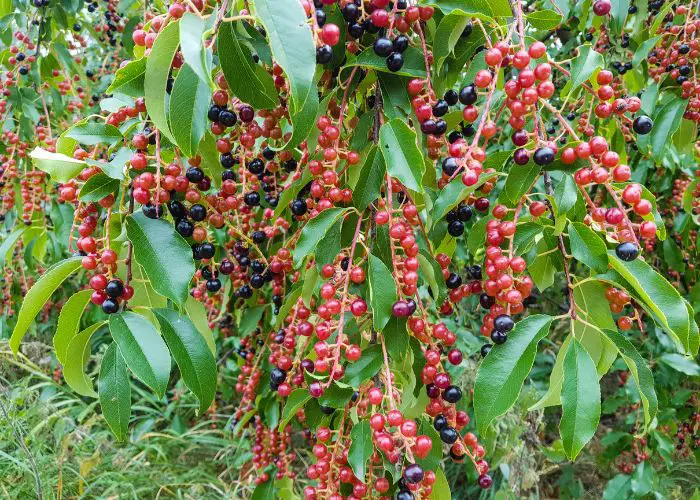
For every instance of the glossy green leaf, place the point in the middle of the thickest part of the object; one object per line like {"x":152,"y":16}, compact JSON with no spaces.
{"x":248,"y":81}
{"x":198,"y":315}
{"x":39,"y":294}
{"x":292,"y":45}
{"x":396,"y":338}
{"x":264,"y":491}
{"x":593,"y":316}
{"x":313,"y":231}
{"x":584,"y":65}
{"x":413,"y":63}
{"x":366,"y":367}
{"x":580,"y":400}
{"x":667,"y":119}
{"x":453,"y":194}
{"x":92,"y":134}
{"x":8,"y":245}
{"x":194,"y":51}
{"x":403,"y":159}
{"x":441,"y":487}
{"x":382,"y":292}
{"x":660,"y":297}
{"x":129,"y":79}
{"x":295,"y":402}
{"x":370,"y":180}
{"x":519,"y":182}
{"x":60,"y":167}
{"x":164,"y":255}
{"x":69,"y":322}
{"x":495,"y":8}
{"x":361,"y":448}
{"x":188,"y":122}
{"x":544,"y":19}
{"x":77,"y":357}
{"x":588,"y":247}
{"x":447,"y":35}
{"x":681,"y":364}
{"x":618,"y":487}
{"x":191,"y":353}
{"x":158,"y":67}
{"x":566,"y":194}
{"x":640,"y":373}
{"x":143,"y":349}
{"x":644,"y":48}
{"x":503,"y":371}
{"x":97,"y":187}
{"x":114,"y":389}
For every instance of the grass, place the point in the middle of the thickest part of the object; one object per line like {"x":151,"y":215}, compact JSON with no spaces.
{"x":70,"y":453}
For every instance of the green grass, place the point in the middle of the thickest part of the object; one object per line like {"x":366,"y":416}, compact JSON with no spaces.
{"x":168,"y":454}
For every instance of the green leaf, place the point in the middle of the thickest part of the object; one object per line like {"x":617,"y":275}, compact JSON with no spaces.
{"x":97,"y":187}
{"x":667,"y":119}
{"x":361,"y":448}
{"x":143,"y":349}
{"x":8,"y":244}
{"x":264,"y":491}
{"x":370,"y":180}
{"x":164,"y":255}
{"x":198,"y":315}
{"x":39,"y":294}
{"x":502,"y":373}
{"x":402,"y":156}
{"x":313,"y":231}
{"x":188,"y":122}
{"x":192,"y":355}
{"x":566,"y":194}
{"x":114,"y":389}
{"x":618,"y":487}
{"x":413,"y":63}
{"x":477,"y":8}
{"x":338,"y":395}
{"x":544,"y":19}
{"x":158,"y":67}
{"x":248,"y":81}
{"x":441,"y":487}
{"x":382,"y":292}
{"x":618,"y":15}
{"x":673,"y":255}
{"x":194,"y":52}
{"x":640,"y":372}
{"x":584,"y":65}
{"x":643,"y":50}
{"x":329,"y":246}
{"x":77,"y":356}
{"x":660,"y":297}
{"x":580,"y":400}
{"x":250,"y":317}
{"x":93,"y":134}
{"x":60,"y":167}
{"x":681,"y":364}
{"x":453,"y":194}
{"x":69,"y":322}
{"x":447,"y":35}
{"x":587,"y":247}
{"x":115,"y":167}
{"x":129,"y":79}
{"x":432,"y":273}
{"x":366,"y":367}
{"x":211,"y":163}
{"x":396,"y":338}
{"x":295,"y":402}
{"x":642,"y":479}
{"x":291,"y":191}
{"x":292,"y":46}
{"x":519,"y":181}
